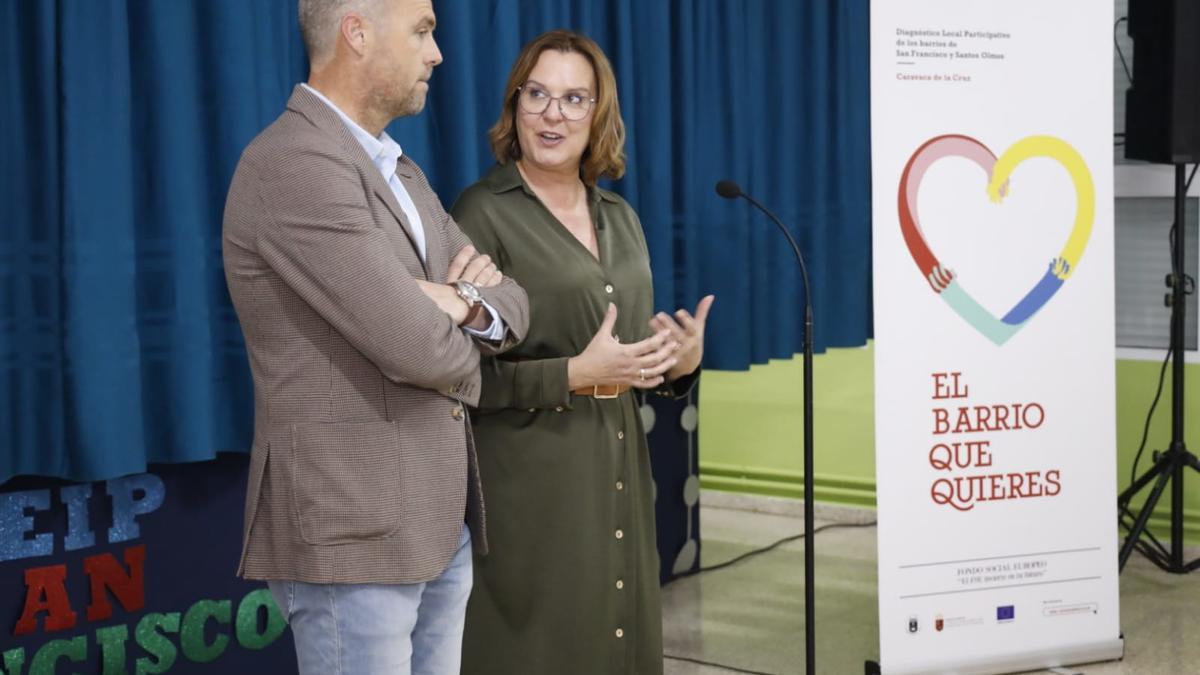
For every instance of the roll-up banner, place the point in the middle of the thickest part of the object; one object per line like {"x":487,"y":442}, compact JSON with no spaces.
{"x":992,"y":141}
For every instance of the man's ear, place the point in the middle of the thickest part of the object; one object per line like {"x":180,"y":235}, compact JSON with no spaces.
{"x":354,"y":33}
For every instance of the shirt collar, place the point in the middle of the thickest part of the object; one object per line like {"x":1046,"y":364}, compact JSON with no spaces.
{"x":505,"y":177}
{"x":383,"y":150}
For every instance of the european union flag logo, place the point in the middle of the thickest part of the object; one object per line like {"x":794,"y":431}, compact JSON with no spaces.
{"x":1006,"y":613}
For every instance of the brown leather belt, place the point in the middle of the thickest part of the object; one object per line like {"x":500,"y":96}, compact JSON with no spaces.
{"x":602,"y":390}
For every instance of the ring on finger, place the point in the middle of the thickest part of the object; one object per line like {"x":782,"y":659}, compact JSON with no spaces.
{"x":642,"y":374}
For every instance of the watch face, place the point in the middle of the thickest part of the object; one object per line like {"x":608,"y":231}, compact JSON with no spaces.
{"x":468,"y":291}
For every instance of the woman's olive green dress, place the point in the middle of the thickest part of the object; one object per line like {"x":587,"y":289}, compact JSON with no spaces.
{"x":570,"y":585}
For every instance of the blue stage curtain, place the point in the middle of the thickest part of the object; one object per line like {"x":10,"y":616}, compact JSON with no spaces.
{"x":123,"y":120}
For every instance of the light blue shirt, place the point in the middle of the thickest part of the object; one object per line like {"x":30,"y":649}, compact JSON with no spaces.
{"x":385,"y":153}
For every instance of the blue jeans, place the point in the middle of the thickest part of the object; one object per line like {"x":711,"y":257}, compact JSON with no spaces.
{"x":370,"y":629}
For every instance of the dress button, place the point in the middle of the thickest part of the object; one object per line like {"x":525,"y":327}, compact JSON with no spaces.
{"x":608,"y":288}
{"x":620,"y":435}
{"x":620,"y":534}
{"x":620,"y":633}
{"x":620,"y":584}
{"x":457,"y":413}
{"x":620,"y":486}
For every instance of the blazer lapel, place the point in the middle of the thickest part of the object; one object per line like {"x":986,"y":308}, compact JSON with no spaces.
{"x":321,"y":115}
{"x":436,"y":258}
{"x":384,"y":192}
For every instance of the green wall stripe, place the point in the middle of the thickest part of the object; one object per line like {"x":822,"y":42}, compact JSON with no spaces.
{"x":751,"y":425}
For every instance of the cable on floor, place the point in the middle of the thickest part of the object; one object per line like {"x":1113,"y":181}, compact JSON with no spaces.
{"x":732,"y":669}
{"x":740,"y":558}
{"x":774,"y":546}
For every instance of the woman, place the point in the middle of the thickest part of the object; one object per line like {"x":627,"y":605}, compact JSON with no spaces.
{"x":571,"y":581}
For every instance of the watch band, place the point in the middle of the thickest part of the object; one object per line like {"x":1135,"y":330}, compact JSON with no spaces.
{"x":472,"y":313}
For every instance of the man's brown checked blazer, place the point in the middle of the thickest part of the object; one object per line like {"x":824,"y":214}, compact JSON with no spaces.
{"x":362,"y":468}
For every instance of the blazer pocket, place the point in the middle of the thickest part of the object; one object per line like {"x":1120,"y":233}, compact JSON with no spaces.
{"x":346,"y":481}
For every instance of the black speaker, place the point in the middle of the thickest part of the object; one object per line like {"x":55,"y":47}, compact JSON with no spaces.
{"x":1162,"y":108}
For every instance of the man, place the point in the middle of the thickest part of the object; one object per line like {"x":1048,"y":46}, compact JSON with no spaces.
{"x":340,"y":261}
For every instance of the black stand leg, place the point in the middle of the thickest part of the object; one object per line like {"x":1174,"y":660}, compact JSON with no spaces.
{"x":1171,"y":465}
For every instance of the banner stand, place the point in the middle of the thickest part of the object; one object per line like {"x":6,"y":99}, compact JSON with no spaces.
{"x":995,"y":355}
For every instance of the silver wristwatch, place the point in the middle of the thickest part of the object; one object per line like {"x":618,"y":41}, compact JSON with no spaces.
{"x":468,"y":292}
{"x":470,"y":295}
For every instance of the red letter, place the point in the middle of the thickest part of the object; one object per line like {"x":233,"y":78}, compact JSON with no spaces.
{"x":104,"y":571}
{"x":1035,"y":488}
{"x":46,"y":581}
{"x":1053,"y":486}
{"x":940,"y":457}
{"x":1001,"y":418}
{"x":979,"y":450}
{"x":1016,"y":483}
{"x":1041,"y":416}
{"x":939,"y":386}
{"x":982,"y":414}
{"x":964,"y":421}
{"x":995,"y":487}
{"x":958,"y":393}
{"x":941,"y":421}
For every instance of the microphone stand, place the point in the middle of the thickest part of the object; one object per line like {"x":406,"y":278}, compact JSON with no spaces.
{"x":729,"y":190}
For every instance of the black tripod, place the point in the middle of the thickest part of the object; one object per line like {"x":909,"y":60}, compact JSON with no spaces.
{"x":1170,"y":465}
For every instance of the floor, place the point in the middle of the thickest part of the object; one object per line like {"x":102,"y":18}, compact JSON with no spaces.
{"x":748,"y":617}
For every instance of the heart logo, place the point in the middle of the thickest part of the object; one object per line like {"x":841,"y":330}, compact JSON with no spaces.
{"x":943,"y":279}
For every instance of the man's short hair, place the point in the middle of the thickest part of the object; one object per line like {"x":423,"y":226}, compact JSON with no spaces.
{"x":319,"y":21}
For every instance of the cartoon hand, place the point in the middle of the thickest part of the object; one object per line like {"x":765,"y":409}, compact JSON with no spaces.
{"x":1060,"y":268}
{"x":940,"y":278}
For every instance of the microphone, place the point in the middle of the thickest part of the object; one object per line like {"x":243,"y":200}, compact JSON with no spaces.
{"x":731,"y":190}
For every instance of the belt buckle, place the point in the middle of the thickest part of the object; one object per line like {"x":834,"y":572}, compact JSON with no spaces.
{"x":596,"y":392}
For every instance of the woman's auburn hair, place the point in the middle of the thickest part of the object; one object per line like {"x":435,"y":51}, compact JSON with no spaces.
{"x":605,"y":153}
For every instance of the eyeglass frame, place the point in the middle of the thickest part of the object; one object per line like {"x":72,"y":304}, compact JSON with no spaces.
{"x":591,"y":103}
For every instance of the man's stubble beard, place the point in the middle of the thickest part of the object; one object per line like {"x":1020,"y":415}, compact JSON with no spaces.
{"x":412,"y":104}
{"x":394,"y":103}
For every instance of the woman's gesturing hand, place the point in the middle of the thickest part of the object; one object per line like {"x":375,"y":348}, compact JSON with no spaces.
{"x":688,"y":331}
{"x":606,"y":361}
